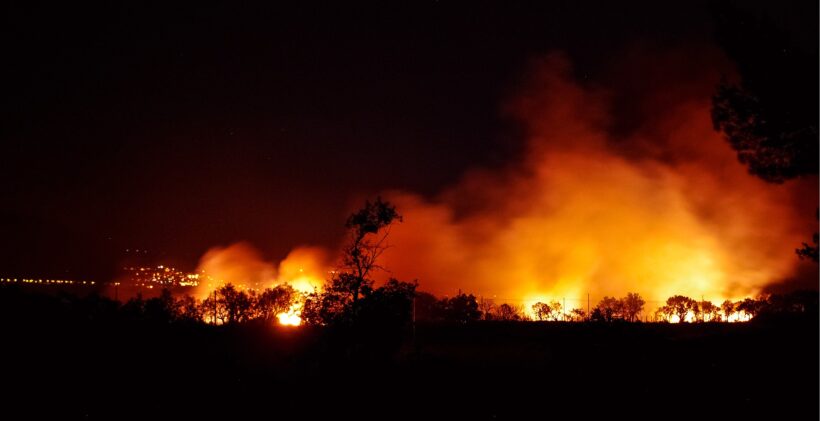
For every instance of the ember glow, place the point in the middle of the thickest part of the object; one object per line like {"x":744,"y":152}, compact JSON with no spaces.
{"x":291,"y":318}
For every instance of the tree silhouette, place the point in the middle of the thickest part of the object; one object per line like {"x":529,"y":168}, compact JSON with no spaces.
{"x":162,"y":309}
{"x":750,"y":306}
{"x":462,"y":308}
{"x":487,"y":308}
{"x":681,"y":306}
{"x":578,"y":314}
{"x":770,"y":116}
{"x":609,"y":308}
{"x":426,"y":306}
{"x":793,"y":303}
{"x":134,"y":308}
{"x":508,"y":312}
{"x":809,"y":251}
{"x":387,"y":308}
{"x":330,"y":306}
{"x":541,"y":311}
{"x":664,"y":313}
{"x":631,"y":306}
{"x":190,"y":311}
{"x":368,"y":230}
{"x":708,"y":311}
{"x":273,"y":301}
{"x":232,"y":305}
{"x":728,"y":308}
{"x":556,"y":310}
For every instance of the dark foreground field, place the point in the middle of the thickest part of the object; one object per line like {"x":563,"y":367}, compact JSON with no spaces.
{"x":60,"y":366}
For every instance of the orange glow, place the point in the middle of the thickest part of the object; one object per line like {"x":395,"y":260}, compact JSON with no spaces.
{"x":739,"y":316}
{"x":665,"y":209}
{"x":289,"y":319}
{"x":239,"y":264}
{"x":587,"y":211}
{"x":689,"y":318}
{"x":304,"y":268}
{"x":292,"y":317}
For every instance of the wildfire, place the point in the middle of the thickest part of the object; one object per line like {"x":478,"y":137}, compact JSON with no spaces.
{"x":663,"y":208}
{"x":291,"y":317}
{"x":304,"y":268}
{"x":736,"y":317}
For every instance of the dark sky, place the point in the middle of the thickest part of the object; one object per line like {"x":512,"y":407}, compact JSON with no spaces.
{"x":177,"y":129}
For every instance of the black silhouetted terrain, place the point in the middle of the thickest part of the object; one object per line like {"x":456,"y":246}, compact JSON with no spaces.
{"x":87,"y":358}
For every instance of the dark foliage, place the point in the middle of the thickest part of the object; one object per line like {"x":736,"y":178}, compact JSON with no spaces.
{"x":81,"y":357}
{"x":809,"y":251}
{"x":770,"y":116}
{"x":368,"y":229}
{"x":610,"y":309}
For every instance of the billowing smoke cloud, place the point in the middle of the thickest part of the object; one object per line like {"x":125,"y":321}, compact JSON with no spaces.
{"x":658,"y":206}
{"x":662,"y":208}
{"x":305,"y":268}
{"x":240,"y":264}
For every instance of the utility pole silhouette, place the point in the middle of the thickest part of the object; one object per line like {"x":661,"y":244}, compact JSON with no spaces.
{"x":414,"y":320}
{"x":214,"y":306}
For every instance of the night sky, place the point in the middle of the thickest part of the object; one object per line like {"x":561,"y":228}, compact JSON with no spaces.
{"x":173,"y":130}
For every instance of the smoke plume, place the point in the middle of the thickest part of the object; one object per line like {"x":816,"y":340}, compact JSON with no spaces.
{"x":240,"y":264}
{"x":660,"y":208}
{"x":617,"y":190}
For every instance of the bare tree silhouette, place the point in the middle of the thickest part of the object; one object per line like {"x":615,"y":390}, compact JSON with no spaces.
{"x":368,"y":229}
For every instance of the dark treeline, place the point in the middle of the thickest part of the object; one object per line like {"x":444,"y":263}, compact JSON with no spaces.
{"x":393,"y":306}
{"x":392,"y":352}
{"x":466,"y":307}
{"x":92,"y":355}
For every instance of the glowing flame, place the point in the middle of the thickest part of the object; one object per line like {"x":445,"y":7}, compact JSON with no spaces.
{"x":689,"y":318}
{"x":663,"y":209}
{"x":290,"y":318}
{"x":590,"y":210}
{"x":239,"y":264}
{"x":304,"y":268}
{"x":738,"y":316}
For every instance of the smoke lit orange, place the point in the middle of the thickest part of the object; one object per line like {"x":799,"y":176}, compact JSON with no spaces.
{"x":661,"y":210}
{"x":664,"y":210}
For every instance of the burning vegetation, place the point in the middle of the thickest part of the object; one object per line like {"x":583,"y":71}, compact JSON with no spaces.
{"x":590,"y":211}
{"x":350,"y":298}
{"x":663,"y":208}
{"x":656,"y":213}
